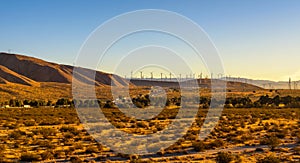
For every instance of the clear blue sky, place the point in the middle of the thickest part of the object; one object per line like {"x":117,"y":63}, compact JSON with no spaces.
{"x":256,"y":39}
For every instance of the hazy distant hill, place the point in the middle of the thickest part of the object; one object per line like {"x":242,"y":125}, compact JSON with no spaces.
{"x":267,"y":84}
{"x":203,"y":83}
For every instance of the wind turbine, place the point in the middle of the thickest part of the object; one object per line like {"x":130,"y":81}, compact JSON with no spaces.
{"x":290,"y":83}
{"x":141,"y":74}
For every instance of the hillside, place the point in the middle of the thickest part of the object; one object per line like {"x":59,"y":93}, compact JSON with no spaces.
{"x":9,"y":76}
{"x":24,"y":77}
{"x":29,"y":71}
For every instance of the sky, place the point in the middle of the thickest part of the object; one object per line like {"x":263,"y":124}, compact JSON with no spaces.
{"x":255,"y":39}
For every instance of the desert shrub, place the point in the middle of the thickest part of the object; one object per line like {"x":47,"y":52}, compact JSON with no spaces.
{"x":135,"y":159}
{"x":49,"y":122}
{"x":17,"y":134}
{"x":119,"y":125}
{"x":280,"y":135}
{"x":199,"y":146}
{"x":91,"y":149}
{"x":123,"y":155}
{"x":2,"y":147}
{"x":46,"y":132}
{"x":29,"y":123}
{"x":75,"y":159}
{"x":30,"y":157}
{"x":68,"y":135}
{"x":44,"y":143}
{"x":225,"y":129}
{"x":142,"y":124}
{"x":243,"y":125}
{"x":296,"y":150}
{"x":259,"y":150}
{"x":78,"y":145}
{"x":109,"y":104}
{"x":216,"y":143}
{"x":272,"y":142}
{"x":159,"y":127}
{"x":223,"y":157}
{"x":2,"y":158}
{"x":59,"y":154}
{"x":47,"y":155}
{"x":88,"y":138}
{"x":270,"y":159}
{"x":246,"y":137}
{"x":72,"y":130}
{"x":161,"y":152}
{"x":10,"y":125}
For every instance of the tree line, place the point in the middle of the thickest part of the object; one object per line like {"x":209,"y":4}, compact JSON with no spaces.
{"x":142,"y":101}
{"x":63,"y":102}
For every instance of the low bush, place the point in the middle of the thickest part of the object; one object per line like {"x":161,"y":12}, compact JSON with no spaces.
{"x":216,"y":143}
{"x":272,"y":142}
{"x":91,"y":149}
{"x":270,"y":159}
{"x":199,"y":146}
{"x":223,"y":157}
{"x":17,"y":134}
{"x":30,"y":157}
{"x":73,"y":130}
{"x":47,"y":155}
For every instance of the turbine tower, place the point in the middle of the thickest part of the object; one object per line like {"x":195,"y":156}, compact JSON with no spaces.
{"x":151,"y":75}
{"x":290,"y":83}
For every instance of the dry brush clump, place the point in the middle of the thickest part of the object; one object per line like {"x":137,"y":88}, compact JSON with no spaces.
{"x":271,"y":141}
{"x":30,"y":157}
{"x":199,"y":146}
{"x":270,"y":159}
{"x":224,"y":157}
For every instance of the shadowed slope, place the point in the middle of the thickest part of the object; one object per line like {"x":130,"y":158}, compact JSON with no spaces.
{"x":37,"y":70}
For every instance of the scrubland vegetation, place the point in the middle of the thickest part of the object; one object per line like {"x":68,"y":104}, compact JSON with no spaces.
{"x":242,"y":134}
{"x":251,"y":129}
